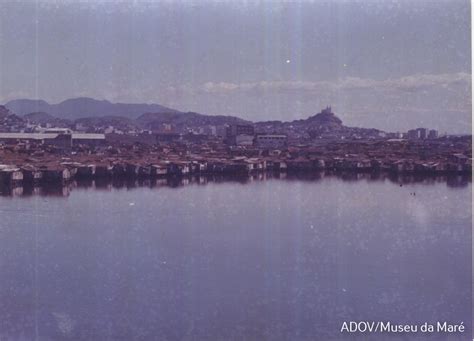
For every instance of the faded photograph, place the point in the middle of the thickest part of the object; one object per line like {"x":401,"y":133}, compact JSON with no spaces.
{"x":235,"y":170}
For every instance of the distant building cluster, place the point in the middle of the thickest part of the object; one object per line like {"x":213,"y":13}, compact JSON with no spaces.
{"x":422,"y":134}
{"x":194,"y":131}
{"x":245,"y":135}
{"x":108,"y":147}
{"x":187,"y":148}
{"x":271,"y":141}
{"x":240,"y":134}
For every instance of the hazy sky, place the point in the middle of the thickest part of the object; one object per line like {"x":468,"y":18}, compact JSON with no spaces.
{"x":384,"y":64}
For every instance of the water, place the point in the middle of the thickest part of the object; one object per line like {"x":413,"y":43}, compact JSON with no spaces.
{"x":266,"y":260}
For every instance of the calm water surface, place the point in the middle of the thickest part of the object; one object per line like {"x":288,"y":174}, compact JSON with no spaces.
{"x":268,"y":260}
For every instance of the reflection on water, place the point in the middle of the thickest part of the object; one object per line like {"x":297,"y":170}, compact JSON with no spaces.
{"x":272,"y":260}
{"x":117,"y":183}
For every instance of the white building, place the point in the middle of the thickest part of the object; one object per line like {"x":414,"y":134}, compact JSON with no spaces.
{"x":244,"y":140}
{"x":271,"y":141}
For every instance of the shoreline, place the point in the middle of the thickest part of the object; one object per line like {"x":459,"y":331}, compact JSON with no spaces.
{"x":68,"y":170}
{"x":64,"y":188}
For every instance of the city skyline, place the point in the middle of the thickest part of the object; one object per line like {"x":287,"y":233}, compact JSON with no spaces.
{"x":93,"y":108}
{"x":393,"y":65}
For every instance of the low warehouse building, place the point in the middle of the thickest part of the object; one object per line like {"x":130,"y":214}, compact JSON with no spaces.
{"x":62,"y":140}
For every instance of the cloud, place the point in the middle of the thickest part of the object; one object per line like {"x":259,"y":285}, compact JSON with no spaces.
{"x":408,"y":83}
{"x":441,"y":101}
{"x":419,"y":81}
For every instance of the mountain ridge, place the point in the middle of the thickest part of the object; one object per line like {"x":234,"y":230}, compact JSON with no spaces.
{"x":92,"y":112}
{"x":81,"y":107}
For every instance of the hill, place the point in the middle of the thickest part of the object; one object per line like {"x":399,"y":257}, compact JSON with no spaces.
{"x":323,"y":124}
{"x":10,"y":121}
{"x":75,"y":108}
{"x":97,"y":114}
{"x":188,"y":119}
{"x":4,"y":112}
{"x":44,"y":118}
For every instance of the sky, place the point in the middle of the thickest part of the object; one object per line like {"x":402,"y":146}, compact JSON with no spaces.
{"x":392,"y":65}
